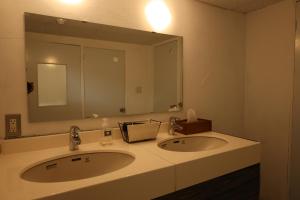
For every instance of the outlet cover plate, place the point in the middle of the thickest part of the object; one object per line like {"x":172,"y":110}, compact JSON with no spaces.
{"x":12,"y":130}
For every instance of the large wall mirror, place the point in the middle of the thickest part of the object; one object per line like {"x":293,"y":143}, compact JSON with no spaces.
{"x":79,"y":70}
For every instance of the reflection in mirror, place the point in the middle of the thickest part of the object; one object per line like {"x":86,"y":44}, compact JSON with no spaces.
{"x":52,"y":85}
{"x":84,"y":70}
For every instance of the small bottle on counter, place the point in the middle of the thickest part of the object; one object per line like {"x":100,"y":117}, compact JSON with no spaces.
{"x":107,"y":133}
{"x":107,"y":137}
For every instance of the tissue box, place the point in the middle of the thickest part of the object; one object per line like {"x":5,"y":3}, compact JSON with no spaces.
{"x":202,"y":125}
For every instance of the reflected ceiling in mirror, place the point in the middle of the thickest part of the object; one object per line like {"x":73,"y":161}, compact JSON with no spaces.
{"x":109,"y":71}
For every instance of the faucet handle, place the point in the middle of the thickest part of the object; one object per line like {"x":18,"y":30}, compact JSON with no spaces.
{"x":174,"y":119}
{"x":74,"y":129}
{"x":74,"y":138}
{"x":173,"y":126}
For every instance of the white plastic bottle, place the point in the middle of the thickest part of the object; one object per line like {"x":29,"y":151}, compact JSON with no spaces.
{"x":107,"y":137}
{"x":107,"y":134}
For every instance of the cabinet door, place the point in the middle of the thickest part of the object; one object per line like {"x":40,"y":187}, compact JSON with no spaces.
{"x":243,"y":184}
{"x":104,"y":82}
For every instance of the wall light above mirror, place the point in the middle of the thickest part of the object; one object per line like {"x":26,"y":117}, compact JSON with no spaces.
{"x":99,"y":70}
{"x":72,"y":2}
{"x":158,"y":15}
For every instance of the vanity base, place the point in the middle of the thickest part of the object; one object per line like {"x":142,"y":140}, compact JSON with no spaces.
{"x":239,"y":185}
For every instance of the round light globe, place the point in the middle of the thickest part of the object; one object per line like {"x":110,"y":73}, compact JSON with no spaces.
{"x":71,"y":1}
{"x":158,"y":15}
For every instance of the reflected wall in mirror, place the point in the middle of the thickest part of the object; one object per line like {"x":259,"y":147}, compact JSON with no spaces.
{"x":85,"y":70}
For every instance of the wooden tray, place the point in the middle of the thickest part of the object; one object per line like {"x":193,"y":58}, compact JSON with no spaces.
{"x":202,"y":125}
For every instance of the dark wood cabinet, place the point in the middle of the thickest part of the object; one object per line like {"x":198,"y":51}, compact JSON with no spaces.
{"x":239,"y":185}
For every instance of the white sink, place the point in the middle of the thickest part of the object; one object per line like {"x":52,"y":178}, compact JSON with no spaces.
{"x":79,"y":166}
{"x":192,"y":144}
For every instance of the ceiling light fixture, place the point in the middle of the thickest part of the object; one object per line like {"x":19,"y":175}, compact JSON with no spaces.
{"x":158,"y":15}
{"x":71,"y":1}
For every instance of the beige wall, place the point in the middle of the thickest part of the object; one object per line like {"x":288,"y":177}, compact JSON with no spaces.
{"x":213,"y":56}
{"x":269,"y":90}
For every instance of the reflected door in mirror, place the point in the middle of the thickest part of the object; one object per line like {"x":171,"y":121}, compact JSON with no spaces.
{"x":104,"y":85}
{"x":55,"y":70}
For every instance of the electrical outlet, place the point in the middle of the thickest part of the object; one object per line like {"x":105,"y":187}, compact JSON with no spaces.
{"x":13,"y":126}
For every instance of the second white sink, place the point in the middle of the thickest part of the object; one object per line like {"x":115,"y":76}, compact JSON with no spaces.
{"x":79,"y":166}
{"x":192,"y":144}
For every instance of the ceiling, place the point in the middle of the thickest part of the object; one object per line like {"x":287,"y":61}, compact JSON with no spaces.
{"x":243,"y":6}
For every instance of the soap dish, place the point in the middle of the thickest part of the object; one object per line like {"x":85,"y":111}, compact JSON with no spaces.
{"x":139,"y":130}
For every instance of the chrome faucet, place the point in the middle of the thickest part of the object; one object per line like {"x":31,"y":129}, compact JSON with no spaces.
{"x":173,"y":126}
{"x":74,"y":138}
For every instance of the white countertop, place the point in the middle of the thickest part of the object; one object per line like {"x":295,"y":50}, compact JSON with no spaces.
{"x":149,"y":158}
{"x":196,"y":167}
